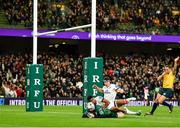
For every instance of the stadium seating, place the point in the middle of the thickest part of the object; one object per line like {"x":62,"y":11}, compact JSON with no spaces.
{"x":122,"y":16}
{"x":63,"y":74}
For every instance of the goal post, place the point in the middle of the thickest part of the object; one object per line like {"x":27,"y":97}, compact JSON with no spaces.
{"x":92,"y":74}
{"x":34,"y":72}
{"x":92,"y":66}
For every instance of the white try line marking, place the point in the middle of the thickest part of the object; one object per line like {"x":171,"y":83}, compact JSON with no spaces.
{"x":84,"y":127}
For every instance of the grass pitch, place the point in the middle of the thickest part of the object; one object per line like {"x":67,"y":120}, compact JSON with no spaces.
{"x":71,"y":116}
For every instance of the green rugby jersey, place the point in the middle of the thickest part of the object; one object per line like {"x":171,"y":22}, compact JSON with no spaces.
{"x":104,"y":113}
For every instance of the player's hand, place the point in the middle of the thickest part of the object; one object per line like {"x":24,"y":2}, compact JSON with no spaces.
{"x":176,"y":59}
{"x":95,"y":86}
{"x":104,"y":107}
{"x":163,"y":73}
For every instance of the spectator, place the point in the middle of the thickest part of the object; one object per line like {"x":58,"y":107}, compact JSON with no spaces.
{"x":2,"y":91}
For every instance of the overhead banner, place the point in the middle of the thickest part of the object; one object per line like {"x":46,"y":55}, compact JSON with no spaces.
{"x":99,"y":36}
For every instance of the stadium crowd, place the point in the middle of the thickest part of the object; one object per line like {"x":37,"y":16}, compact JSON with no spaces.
{"x":124,"y":16}
{"x":63,"y":74}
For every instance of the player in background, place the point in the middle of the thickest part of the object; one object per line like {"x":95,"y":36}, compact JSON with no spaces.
{"x":146,"y":95}
{"x":168,"y":78}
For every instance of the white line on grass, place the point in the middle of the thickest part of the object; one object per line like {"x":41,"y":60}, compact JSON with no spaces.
{"x":84,"y":127}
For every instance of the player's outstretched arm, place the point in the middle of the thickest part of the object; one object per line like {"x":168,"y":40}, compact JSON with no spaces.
{"x":98,"y":88}
{"x":175,"y":65}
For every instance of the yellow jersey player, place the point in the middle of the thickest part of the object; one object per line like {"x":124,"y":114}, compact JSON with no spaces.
{"x":168,"y":77}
